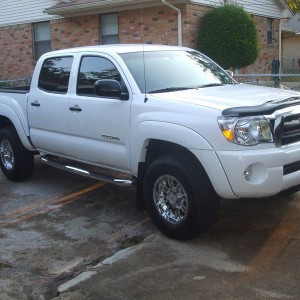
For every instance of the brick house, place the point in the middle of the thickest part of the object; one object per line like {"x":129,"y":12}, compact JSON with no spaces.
{"x":29,"y":28}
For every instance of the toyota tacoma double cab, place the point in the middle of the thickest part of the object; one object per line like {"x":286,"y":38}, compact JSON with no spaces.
{"x":166,"y":119}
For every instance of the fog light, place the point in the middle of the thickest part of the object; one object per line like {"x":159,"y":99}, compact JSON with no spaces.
{"x":256,"y":173}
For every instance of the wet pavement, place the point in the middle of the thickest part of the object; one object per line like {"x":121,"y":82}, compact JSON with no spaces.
{"x":66,"y":237}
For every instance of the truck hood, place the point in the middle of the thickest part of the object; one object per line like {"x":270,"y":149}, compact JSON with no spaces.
{"x":228,"y":96}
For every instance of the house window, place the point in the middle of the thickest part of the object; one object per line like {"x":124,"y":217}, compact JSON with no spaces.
{"x":42,"y":38}
{"x":109,"y":29}
{"x":270,"y":31}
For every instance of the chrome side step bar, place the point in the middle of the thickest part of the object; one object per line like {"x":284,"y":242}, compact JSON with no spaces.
{"x":77,"y":168}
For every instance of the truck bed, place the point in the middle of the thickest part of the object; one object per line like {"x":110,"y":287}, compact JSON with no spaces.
{"x":18,"y":90}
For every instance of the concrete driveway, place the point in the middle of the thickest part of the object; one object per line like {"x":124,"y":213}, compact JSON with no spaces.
{"x":66,"y":237}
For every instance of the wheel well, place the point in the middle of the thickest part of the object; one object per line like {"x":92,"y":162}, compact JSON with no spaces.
{"x":5,"y":122}
{"x":156,"y":149}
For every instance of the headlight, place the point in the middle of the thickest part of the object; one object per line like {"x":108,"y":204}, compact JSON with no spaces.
{"x":246,"y":131}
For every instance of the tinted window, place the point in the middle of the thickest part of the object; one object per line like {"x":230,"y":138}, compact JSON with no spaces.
{"x":55,"y":74}
{"x":93,"y":68}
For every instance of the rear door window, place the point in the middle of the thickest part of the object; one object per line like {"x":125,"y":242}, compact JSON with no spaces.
{"x":55,"y":74}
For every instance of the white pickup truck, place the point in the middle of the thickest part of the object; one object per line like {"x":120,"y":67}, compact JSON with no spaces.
{"x":167,"y":119}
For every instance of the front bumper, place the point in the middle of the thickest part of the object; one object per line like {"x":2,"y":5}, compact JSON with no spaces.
{"x":262,"y":172}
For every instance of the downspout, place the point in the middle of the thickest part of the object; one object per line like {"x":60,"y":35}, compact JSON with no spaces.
{"x":179,"y":20}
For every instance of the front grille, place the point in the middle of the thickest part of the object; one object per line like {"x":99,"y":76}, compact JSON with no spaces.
{"x":290,"y":130}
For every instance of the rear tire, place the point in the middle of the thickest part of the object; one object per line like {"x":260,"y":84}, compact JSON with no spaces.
{"x":179,"y":197}
{"x":16,"y":161}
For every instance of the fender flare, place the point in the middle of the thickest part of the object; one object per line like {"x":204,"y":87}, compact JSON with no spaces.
{"x":164,"y":131}
{"x":9,"y":113}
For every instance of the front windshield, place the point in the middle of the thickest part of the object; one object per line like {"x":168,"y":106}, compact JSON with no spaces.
{"x":167,"y":71}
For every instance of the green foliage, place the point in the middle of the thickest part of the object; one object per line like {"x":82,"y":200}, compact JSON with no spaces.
{"x":4,"y":84}
{"x":228,"y":35}
{"x":294,"y":5}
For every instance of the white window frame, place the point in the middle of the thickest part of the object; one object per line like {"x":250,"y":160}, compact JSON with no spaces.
{"x":41,"y":38}
{"x":270,"y":31}
{"x":109,"y":28}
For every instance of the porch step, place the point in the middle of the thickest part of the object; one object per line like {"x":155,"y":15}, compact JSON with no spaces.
{"x":94,"y":172}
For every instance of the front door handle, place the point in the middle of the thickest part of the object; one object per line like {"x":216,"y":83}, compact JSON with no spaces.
{"x":35,"y":103}
{"x":75,"y":108}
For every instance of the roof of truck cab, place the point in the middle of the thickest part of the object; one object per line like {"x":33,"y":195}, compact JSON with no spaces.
{"x":118,"y":48}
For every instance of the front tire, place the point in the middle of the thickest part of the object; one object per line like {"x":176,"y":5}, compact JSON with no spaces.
{"x":16,"y":161}
{"x":179,"y":197}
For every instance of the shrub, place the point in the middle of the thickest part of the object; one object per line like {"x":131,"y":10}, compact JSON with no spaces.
{"x":228,"y":35}
{"x":4,"y":84}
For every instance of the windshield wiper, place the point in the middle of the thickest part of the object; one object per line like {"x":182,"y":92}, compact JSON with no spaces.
{"x":171,"y":89}
{"x":210,"y":85}
{"x":175,"y":89}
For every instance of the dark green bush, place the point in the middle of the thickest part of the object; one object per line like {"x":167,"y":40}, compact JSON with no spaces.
{"x":4,"y":85}
{"x":228,"y":35}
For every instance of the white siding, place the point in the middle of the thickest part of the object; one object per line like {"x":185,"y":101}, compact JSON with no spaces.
{"x":24,"y":11}
{"x":267,"y":8}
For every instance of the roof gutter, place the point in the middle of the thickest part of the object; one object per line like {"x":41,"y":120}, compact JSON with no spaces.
{"x":95,"y":6}
{"x":179,"y":20}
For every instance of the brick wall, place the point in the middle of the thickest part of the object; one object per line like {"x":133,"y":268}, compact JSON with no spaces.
{"x":16,"y":55}
{"x":150,"y":25}
{"x":192,"y":18}
{"x":267,"y":52}
{"x":74,"y":32}
{"x":157,"y":25}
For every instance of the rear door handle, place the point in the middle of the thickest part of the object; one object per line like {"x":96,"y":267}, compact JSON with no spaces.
{"x":75,"y":108}
{"x":35,"y":103}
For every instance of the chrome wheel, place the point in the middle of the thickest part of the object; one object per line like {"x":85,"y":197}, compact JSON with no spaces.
{"x":170,"y":199}
{"x":7,"y":155}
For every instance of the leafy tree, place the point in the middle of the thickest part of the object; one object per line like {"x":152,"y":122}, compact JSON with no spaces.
{"x":294,"y":5}
{"x":228,"y":35}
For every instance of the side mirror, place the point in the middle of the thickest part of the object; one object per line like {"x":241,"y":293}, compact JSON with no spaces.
{"x":109,"y":88}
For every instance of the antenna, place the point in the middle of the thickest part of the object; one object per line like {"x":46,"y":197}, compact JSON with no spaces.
{"x":144,"y":65}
